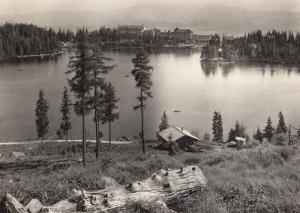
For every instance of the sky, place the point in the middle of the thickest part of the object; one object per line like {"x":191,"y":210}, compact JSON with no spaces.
{"x":32,"y":6}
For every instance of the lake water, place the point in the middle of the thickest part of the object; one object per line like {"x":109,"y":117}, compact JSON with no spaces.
{"x":248,"y":93}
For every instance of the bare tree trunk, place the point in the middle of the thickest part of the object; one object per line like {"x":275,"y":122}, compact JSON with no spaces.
{"x":83,"y":129}
{"x":142,"y":121}
{"x":97,"y":138}
{"x":109,"y":134}
{"x":99,"y":141}
{"x":96,"y":117}
{"x":67,"y":134}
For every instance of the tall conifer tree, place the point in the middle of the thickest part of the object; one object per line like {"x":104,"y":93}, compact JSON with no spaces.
{"x":80,"y":69}
{"x":281,"y":126}
{"x":164,"y":122}
{"x":65,"y":109}
{"x":110,"y":106}
{"x":269,"y":130}
{"x":142,"y":75}
{"x":41,"y":110}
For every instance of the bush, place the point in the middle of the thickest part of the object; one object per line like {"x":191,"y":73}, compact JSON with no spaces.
{"x":280,"y":139}
{"x":191,"y":161}
{"x":268,"y":158}
{"x":206,"y":137}
{"x":214,"y":161}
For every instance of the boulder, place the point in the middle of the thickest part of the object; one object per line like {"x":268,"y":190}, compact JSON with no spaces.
{"x":34,"y":206}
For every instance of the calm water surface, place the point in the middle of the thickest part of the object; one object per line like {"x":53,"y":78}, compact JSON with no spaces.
{"x":248,"y":93}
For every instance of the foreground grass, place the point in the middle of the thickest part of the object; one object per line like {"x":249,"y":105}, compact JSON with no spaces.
{"x":265,"y":178}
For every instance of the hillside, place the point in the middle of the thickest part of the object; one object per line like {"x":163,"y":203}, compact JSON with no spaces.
{"x":26,"y":39}
{"x":264,"y":178}
{"x":231,"y":20}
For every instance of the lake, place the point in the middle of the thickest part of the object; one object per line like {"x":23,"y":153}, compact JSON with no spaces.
{"x":247,"y":93}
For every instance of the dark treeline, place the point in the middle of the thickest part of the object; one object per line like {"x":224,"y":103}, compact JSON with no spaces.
{"x":103,"y":35}
{"x":26,"y":39}
{"x":273,"y":46}
{"x":65,"y":35}
{"x":110,"y":37}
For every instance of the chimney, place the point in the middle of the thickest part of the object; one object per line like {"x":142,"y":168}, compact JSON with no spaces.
{"x":181,"y":128}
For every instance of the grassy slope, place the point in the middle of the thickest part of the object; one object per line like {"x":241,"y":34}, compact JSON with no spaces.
{"x":265,"y":178}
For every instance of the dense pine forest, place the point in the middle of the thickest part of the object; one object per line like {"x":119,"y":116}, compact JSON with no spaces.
{"x":27,"y":39}
{"x":273,"y":46}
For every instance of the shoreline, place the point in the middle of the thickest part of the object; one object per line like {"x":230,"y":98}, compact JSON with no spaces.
{"x":40,"y":55}
{"x":24,"y":57}
{"x":262,"y":62}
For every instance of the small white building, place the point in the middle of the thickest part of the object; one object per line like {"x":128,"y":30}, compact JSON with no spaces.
{"x":238,"y":142}
{"x":241,"y":141}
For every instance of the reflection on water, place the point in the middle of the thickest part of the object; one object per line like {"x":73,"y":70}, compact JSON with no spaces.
{"x":245,"y":92}
{"x":209,"y":68}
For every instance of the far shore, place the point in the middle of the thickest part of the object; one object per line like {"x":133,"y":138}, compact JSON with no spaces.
{"x":40,"y":55}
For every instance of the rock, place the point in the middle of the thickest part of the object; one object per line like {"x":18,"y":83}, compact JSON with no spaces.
{"x":34,"y":206}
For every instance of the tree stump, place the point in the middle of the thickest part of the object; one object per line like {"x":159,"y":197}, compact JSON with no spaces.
{"x":151,"y":194}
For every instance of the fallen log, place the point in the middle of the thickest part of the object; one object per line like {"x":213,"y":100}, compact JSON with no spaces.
{"x":151,"y":194}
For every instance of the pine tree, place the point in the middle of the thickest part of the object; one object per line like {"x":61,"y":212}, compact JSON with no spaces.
{"x":231,"y":135}
{"x":96,"y":102}
{"x":65,"y":110}
{"x":220,"y":128}
{"x":142,"y":75}
{"x":110,"y":115}
{"x":41,"y":110}
{"x":240,"y":130}
{"x":269,"y":130}
{"x":258,"y":135}
{"x":80,"y":67}
{"x":281,"y":126}
{"x":217,"y":127}
{"x":164,"y":122}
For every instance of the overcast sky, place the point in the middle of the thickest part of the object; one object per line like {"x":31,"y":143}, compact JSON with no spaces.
{"x":29,"y":6}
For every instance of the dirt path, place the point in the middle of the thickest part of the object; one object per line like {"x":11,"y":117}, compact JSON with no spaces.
{"x":61,"y":141}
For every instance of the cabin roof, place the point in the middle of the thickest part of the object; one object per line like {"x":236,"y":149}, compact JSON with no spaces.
{"x":176,"y":133}
{"x":240,"y":139}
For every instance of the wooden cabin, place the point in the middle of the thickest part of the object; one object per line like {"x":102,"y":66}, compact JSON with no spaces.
{"x":182,"y":137}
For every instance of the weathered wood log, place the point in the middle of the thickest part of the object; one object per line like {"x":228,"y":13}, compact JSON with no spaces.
{"x":152,"y":194}
{"x":12,"y":205}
